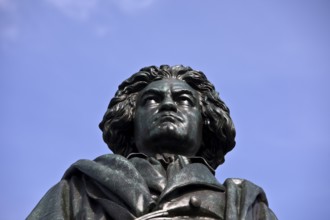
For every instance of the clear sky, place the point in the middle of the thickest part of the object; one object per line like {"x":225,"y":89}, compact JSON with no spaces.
{"x":62,"y":60}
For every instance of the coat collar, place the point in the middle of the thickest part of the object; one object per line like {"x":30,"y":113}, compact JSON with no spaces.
{"x":167,"y":175}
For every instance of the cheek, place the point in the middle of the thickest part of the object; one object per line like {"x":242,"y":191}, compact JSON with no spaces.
{"x":199,"y":124}
{"x":137,"y":121}
{"x":141,"y":120}
{"x":196,"y":120}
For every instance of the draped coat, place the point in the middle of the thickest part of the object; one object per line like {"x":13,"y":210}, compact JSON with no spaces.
{"x":140,"y":187}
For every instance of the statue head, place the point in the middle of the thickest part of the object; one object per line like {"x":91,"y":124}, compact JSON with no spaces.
{"x":173,"y":110}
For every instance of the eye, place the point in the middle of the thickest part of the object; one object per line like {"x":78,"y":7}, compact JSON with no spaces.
{"x":185,"y":100}
{"x":150,"y":100}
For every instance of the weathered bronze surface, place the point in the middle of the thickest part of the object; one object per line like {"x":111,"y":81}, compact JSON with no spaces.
{"x":168,"y":130}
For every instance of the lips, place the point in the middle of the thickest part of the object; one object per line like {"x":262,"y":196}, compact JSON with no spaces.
{"x":168,"y":118}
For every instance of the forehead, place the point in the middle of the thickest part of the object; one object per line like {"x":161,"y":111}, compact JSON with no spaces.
{"x":172,"y":85}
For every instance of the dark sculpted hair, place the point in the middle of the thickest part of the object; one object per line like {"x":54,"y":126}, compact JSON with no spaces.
{"x":218,"y":128}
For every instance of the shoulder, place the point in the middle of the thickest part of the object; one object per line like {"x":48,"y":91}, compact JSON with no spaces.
{"x":92,"y":167}
{"x":246,"y":200}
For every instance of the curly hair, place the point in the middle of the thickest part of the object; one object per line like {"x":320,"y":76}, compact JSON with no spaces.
{"x":218,"y":129}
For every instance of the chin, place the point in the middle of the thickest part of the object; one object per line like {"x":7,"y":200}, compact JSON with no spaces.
{"x":169,"y":127}
{"x":170,"y":140}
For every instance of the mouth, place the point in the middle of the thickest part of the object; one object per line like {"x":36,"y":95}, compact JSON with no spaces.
{"x":169,"y":118}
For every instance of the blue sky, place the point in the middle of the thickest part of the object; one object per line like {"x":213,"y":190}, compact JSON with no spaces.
{"x":62,"y":60}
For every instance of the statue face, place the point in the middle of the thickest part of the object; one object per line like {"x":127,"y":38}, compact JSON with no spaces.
{"x":168,"y":119}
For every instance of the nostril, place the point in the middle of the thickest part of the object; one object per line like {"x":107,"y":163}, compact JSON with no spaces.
{"x":168,"y":106}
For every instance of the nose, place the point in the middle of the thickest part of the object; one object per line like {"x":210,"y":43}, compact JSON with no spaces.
{"x":168,"y":104}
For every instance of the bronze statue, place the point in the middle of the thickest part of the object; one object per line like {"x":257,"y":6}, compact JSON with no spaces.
{"x":169,"y":131}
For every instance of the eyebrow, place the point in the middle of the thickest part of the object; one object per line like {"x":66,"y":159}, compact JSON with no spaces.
{"x":160,"y":93}
{"x":152,"y":92}
{"x":183,"y":91}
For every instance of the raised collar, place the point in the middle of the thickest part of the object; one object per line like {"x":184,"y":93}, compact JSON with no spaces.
{"x":167,"y":159}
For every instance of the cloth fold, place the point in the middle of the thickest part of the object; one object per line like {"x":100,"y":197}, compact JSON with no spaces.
{"x":119,"y":188}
